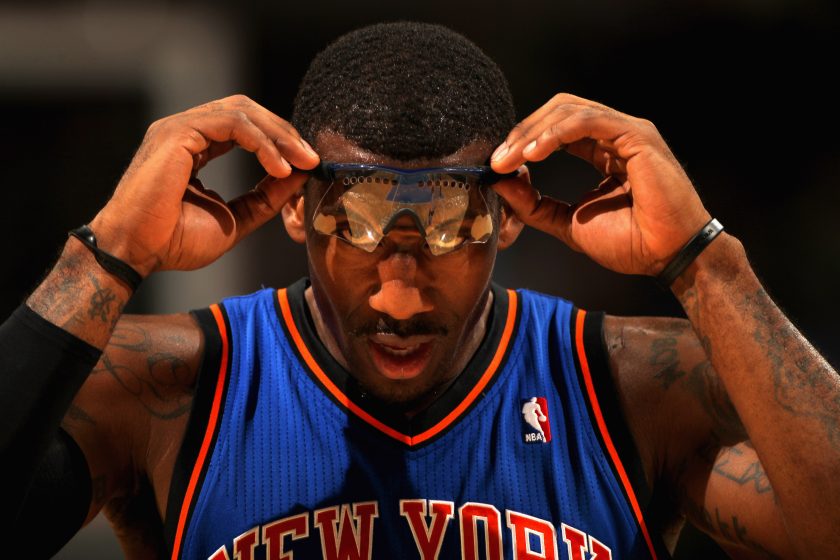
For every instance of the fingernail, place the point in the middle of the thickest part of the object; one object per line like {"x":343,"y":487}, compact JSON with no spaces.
{"x":530,"y":146}
{"x":500,"y":152}
{"x":307,"y":147}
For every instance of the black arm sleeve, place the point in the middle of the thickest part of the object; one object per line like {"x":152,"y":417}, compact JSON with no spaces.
{"x":42,"y":367}
{"x":56,"y":504}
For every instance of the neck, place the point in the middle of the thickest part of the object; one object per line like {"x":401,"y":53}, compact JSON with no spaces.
{"x":473,"y":339}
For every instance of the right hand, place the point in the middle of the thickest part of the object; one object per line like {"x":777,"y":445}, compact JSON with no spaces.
{"x":161,"y":217}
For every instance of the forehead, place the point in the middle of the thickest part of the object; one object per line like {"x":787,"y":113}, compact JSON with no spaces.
{"x":335,"y":147}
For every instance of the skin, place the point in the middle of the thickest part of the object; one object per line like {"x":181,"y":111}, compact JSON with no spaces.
{"x":402,"y":283}
{"x":736,"y":416}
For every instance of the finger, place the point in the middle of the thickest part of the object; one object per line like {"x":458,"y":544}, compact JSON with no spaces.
{"x":224,"y":126}
{"x":294,"y":149}
{"x":526,"y":126}
{"x":264,"y":201}
{"x":544,"y":213}
{"x":567,"y":126}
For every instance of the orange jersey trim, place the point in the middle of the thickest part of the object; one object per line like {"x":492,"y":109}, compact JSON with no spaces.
{"x":208,"y":434}
{"x":450,"y":418}
{"x":602,"y":427}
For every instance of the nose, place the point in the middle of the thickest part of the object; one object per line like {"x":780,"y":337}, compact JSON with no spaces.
{"x":398,"y":294}
{"x":404,"y":233}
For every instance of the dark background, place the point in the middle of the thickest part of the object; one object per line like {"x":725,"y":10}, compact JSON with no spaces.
{"x":740,"y":89}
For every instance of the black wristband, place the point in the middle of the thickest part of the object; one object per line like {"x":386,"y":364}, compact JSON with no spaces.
{"x":108,"y":262}
{"x":689,"y":252}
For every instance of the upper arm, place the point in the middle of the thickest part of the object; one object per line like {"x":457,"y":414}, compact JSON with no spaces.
{"x":132,"y":409}
{"x":694,"y":449}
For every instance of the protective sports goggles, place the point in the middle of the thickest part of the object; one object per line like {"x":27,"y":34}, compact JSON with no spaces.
{"x":446,"y":204}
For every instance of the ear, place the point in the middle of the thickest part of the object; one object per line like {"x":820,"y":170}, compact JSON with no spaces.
{"x":294,"y":218}
{"x":509,"y":225}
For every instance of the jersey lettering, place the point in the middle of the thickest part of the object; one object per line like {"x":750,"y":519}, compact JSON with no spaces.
{"x":347,"y":533}
{"x":244,"y":545}
{"x":579,"y":543}
{"x":599,"y":550}
{"x":470,"y":514}
{"x":274,"y":534}
{"x":354,"y":538}
{"x":522,"y":527}
{"x":428,"y":539}
{"x":575,"y":541}
{"x":220,"y":554}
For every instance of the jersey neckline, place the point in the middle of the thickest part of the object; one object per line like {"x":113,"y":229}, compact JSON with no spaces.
{"x":430,"y":423}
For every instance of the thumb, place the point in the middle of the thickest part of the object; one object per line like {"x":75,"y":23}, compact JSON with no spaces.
{"x":264,"y":201}
{"x":544,"y":213}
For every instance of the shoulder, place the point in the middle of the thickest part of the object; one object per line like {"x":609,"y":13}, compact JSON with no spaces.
{"x":671,"y":397}
{"x":155,"y":358}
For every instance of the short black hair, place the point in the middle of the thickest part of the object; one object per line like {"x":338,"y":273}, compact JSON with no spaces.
{"x":405,"y":90}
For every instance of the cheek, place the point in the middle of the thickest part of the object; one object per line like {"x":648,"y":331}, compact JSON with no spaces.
{"x":338,"y":262}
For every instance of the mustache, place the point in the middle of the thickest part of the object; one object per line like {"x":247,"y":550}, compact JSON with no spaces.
{"x":389,"y":325}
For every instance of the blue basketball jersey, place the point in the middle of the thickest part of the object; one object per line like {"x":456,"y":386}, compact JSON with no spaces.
{"x":524,"y":456}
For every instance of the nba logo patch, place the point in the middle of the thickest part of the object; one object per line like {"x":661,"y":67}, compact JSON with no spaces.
{"x":535,"y":424}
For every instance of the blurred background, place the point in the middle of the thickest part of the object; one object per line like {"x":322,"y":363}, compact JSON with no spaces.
{"x":742,"y":90}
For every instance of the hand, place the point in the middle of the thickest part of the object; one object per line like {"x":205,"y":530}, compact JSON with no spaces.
{"x":161,"y":216}
{"x":641,"y":214}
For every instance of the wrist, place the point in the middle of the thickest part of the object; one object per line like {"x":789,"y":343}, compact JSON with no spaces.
{"x":79,"y":296}
{"x":719,"y":263}
{"x":119,"y":245}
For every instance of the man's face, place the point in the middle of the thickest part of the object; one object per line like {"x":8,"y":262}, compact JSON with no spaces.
{"x":401,"y":317}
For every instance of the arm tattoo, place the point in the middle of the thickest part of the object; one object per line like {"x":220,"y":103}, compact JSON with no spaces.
{"x":708,"y":389}
{"x":665,"y":359}
{"x":100,"y":304}
{"x":76,"y":415}
{"x":76,"y":296}
{"x":701,"y":381}
{"x":158,"y":384}
{"x":731,"y":528}
{"x":729,"y":466}
{"x":804,"y":383}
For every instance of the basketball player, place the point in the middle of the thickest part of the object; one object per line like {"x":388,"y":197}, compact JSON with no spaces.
{"x":385,"y":407}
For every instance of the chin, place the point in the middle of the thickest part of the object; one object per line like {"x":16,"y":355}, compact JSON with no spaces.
{"x":409,"y":394}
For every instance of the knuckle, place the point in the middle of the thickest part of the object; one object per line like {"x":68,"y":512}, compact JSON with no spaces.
{"x":239,"y":99}
{"x":561,"y":98}
{"x":239,"y":116}
{"x":648,"y":124}
{"x":588,"y":113}
{"x":193,"y":137}
{"x":520,"y":130}
{"x":552,"y":131}
{"x":155,"y":126}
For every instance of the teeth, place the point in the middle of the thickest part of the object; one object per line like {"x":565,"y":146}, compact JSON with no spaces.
{"x":399,"y":351}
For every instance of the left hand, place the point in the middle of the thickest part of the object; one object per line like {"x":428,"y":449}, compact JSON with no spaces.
{"x":641,"y":214}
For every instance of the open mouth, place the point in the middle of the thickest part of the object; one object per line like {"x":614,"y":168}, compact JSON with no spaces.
{"x":400,"y":358}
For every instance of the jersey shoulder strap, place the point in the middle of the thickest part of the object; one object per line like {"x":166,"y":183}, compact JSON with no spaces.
{"x":202,"y":426}
{"x":606,"y":416}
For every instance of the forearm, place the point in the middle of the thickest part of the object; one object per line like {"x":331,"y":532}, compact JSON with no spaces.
{"x":46,"y":352}
{"x":80,"y":297}
{"x":786,"y":394}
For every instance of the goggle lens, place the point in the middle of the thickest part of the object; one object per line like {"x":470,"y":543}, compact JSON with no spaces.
{"x":364,"y":202}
